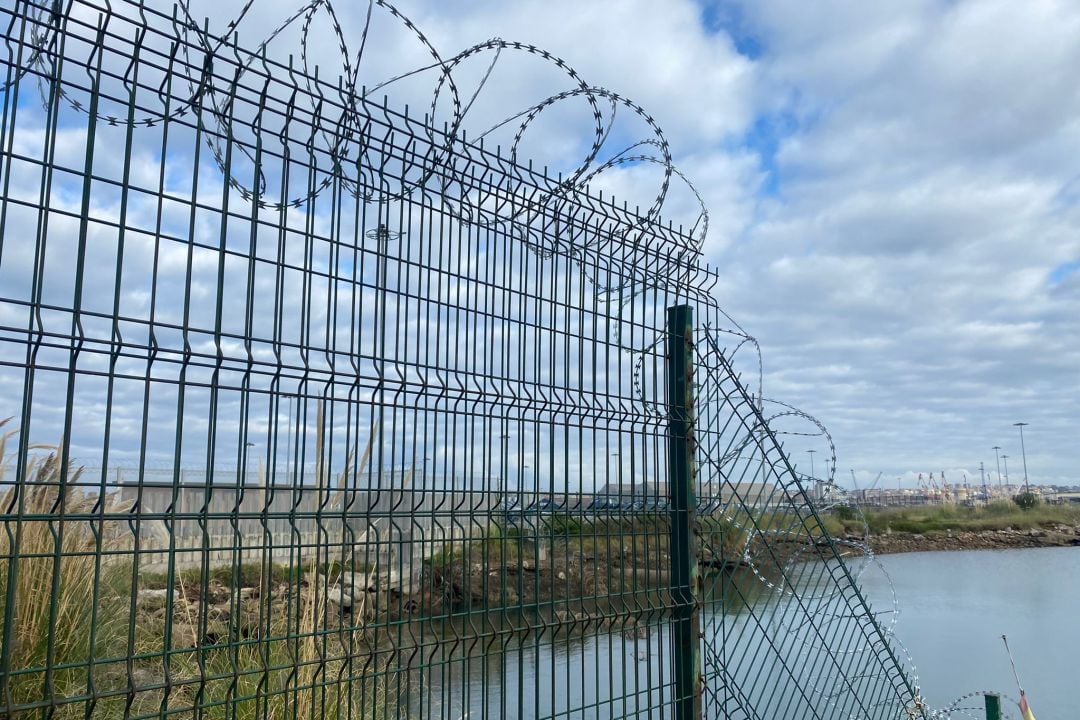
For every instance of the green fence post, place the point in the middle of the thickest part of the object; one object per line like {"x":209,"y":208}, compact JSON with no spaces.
{"x":993,"y":707}
{"x":685,"y":630}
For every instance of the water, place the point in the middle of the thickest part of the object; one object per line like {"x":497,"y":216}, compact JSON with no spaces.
{"x":956,"y":605}
{"x":602,"y":676}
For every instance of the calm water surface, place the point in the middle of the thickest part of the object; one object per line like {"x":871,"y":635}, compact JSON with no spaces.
{"x":956,"y":605}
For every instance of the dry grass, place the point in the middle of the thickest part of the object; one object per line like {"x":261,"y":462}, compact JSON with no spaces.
{"x":308,"y":664}
{"x":72,"y":631}
{"x":49,"y":574}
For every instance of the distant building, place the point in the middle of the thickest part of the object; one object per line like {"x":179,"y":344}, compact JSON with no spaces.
{"x":711,"y":497}
{"x":1064,"y":498}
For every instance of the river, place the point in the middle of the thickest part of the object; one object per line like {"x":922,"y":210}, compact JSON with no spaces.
{"x":954,"y":607}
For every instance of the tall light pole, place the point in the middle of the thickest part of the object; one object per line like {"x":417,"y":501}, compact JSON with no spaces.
{"x":247,"y":461}
{"x":503,"y":468}
{"x":1005,"y":458}
{"x":1023,"y":453}
{"x":982,"y":474}
{"x":996,"y":449}
{"x":382,"y":235}
{"x":288,"y":444}
{"x":618,"y":476}
{"x":811,"y":454}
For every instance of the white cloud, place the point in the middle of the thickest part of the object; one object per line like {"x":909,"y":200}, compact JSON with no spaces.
{"x":905,"y":278}
{"x":919,"y":220}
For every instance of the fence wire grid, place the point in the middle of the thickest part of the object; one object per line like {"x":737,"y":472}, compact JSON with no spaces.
{"x":317,"y":408}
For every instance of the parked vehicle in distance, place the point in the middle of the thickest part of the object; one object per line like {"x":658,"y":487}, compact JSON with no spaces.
{"x":610,"y":506}
{"x":510,"y":512}
{"x":538,"y":508}
{"x":543,"y":506}
{"x":604,"y":504}
{"x":657,"y":505}
{"x":710,"y":507}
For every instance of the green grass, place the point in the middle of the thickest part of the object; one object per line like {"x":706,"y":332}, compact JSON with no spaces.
{"x":836,"y":527}
{"x":719,"y":535}
{"x":642,"y":536}
{"x":503,"y":542}
{"x":943,"y":518}
{"x":297,"y":668}
{"x":247,"y":574}
{"x":497,"y":543}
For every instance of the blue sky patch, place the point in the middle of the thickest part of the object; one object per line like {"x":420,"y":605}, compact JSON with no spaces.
{"x":764,"y":138}
{"x":1063,"y":271}
{"x":726,"y":17}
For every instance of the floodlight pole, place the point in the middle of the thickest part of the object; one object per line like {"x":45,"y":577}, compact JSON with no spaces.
{"x":997,"y":458}
{"x":1023,"y":453}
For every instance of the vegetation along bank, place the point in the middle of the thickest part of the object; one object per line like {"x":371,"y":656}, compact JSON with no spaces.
{"x":1000,"y":525}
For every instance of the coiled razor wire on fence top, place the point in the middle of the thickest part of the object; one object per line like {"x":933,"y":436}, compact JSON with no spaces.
{"x":406,"y":393}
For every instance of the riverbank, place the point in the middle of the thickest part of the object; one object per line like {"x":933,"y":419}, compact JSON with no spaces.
{"x":902,"y":542}
{"x":949,"y":527}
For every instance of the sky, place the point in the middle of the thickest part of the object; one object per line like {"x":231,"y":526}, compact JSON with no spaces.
{"x":892,"y":191}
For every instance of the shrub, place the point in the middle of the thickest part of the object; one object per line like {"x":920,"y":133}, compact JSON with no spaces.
{"x":1026,"y":500}
{"x":844,"y":512}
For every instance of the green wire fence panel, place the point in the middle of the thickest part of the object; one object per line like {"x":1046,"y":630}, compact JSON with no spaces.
{"x":316,"y":407}
{"x":787,"y":632}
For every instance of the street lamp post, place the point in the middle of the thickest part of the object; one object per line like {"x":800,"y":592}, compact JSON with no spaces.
{"x":1023,"y":454}
{"x":619,"y":476}
{"x":811,"y":454}
{"x":1005,"y":459}
{"x":996,"y":449}
{"x":247,"y":460}
{"x":382,"y":235}
{"x":982,"y":474}
{"x":523,"y":481}
{"x":504,"y":468}
{"x":288,"y":445}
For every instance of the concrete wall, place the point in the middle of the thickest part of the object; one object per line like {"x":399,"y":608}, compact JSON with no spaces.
{"x":224,"y":523}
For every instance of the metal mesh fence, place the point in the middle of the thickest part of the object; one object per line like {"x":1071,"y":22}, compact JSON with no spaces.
{"x":319,"y":410}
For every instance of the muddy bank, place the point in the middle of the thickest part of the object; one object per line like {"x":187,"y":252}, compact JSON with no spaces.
{"x":898,"y":542}
{"x":564,"y":580}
